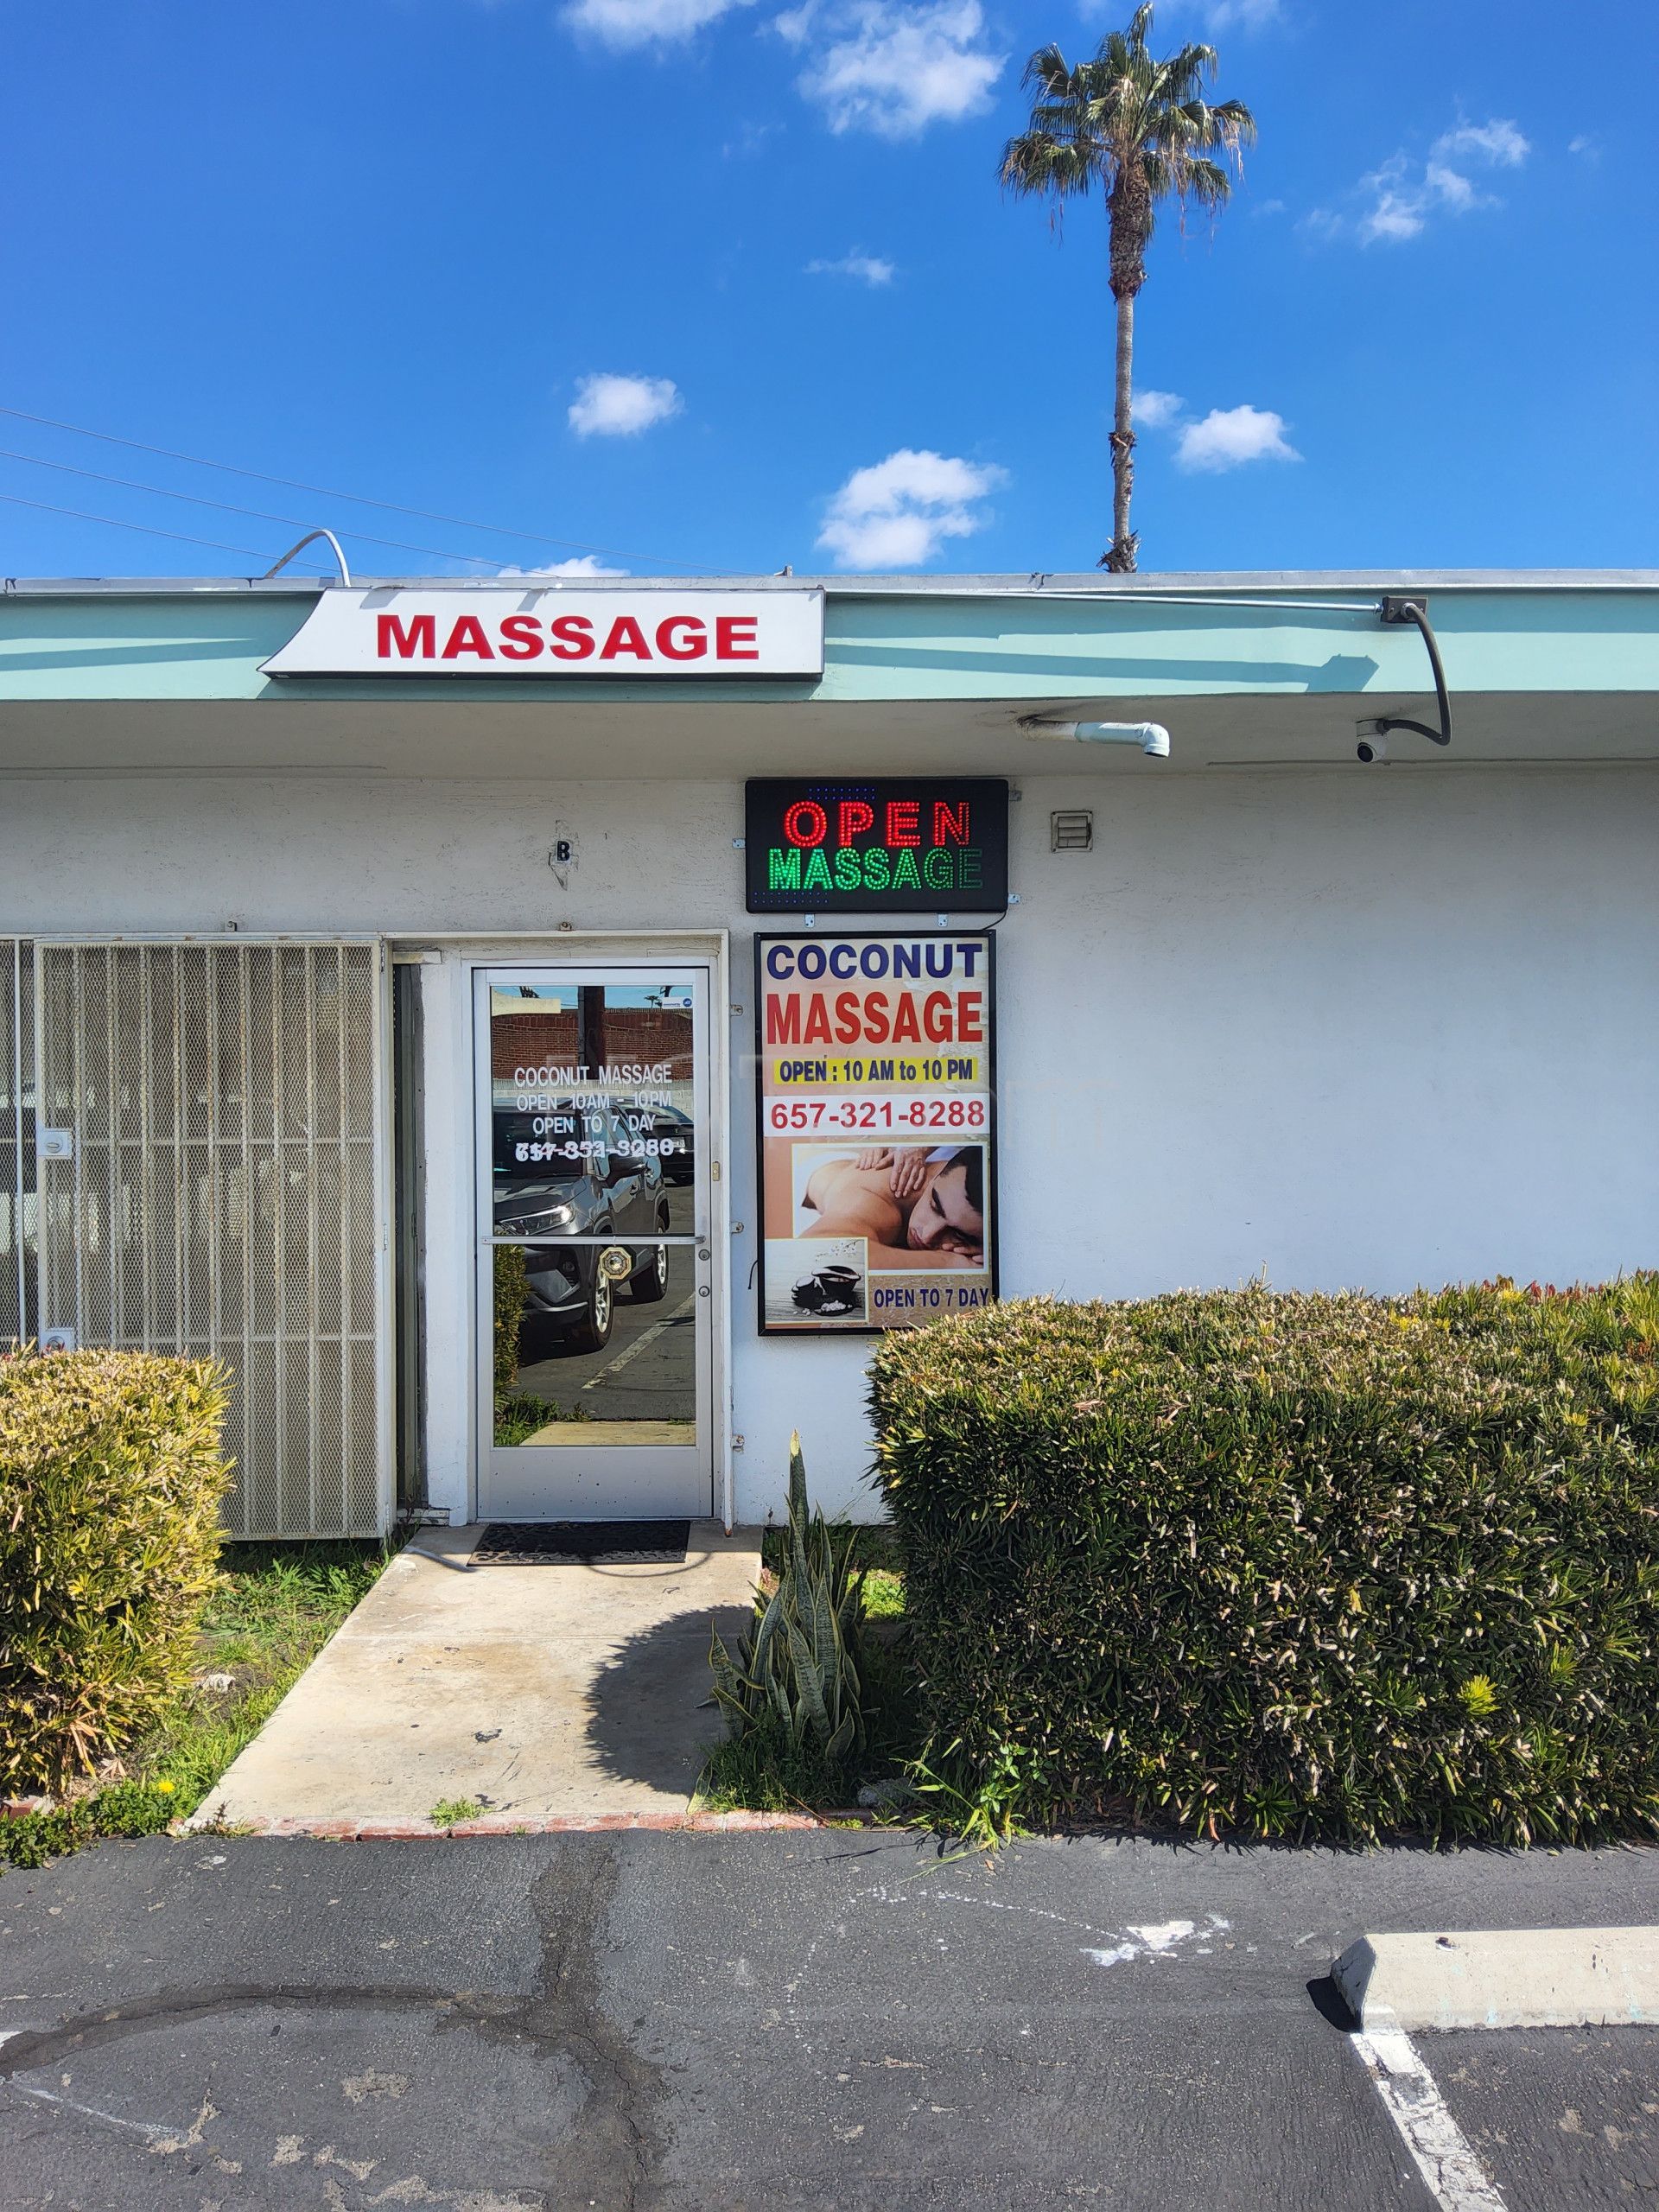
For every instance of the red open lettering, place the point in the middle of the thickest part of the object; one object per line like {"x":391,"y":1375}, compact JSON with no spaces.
{"x":855,"y":816}
{"x":806,"y":822}
{"x":904,"y":818}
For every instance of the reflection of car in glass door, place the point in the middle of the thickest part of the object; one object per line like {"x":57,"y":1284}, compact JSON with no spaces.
{"x":675,"y":1133}
{"x":611,"y":1188}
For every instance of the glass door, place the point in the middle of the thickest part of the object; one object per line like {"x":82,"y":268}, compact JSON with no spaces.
{"x":595,"y":1282}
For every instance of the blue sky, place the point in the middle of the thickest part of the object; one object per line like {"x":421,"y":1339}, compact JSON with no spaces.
{"x":729,"y":286}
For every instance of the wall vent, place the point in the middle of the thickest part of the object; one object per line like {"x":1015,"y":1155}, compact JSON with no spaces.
{"x":1072,"y":830}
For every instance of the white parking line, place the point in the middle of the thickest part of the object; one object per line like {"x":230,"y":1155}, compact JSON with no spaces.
{"x":639,"y":1343}
{"x":1456,"y":2178}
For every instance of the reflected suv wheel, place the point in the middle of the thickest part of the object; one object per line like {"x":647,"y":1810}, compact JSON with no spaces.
{"x":593,"y":1331}
{"x":649,"y":1280}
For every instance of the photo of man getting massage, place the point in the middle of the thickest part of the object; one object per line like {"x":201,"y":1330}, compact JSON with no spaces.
{"x":917,"y":1208}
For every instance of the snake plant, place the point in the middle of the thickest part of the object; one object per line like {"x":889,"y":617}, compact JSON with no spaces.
{"x":797,"y":1666}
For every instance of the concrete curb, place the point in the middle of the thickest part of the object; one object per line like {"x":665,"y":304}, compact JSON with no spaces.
{"x":501,"y":1824}
{"x":1503,"y":1978}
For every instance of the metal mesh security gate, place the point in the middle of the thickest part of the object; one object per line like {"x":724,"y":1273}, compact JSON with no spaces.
{"x":214,"y":1178}
{"x":19,"y":1315}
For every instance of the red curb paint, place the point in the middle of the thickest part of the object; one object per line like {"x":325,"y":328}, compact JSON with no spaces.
{"x":501,"y":1824}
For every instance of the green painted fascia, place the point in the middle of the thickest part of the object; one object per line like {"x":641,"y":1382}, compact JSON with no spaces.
{"x":914,"y":645}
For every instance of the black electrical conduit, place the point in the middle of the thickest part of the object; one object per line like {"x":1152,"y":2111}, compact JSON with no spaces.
{"x":1413,"y":610}
{"x":1393,"y":608}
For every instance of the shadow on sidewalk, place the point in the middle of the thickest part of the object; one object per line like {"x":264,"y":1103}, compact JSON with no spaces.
{"x":653,"y":1719}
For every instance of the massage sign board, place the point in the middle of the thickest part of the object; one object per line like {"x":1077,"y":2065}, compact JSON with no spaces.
{"x":876,"y":1141}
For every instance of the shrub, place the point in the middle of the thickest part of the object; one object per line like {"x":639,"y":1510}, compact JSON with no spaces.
{"x":512,"y":1284}
{"x":110,"y":1477}
{"x":1293,"y":1566}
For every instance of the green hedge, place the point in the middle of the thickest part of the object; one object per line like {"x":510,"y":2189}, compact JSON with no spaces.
{"x":110,"y":1478}
{"x":1335,"y":1567}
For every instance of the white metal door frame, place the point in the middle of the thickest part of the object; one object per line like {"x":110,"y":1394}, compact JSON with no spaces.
{"x":476,"y":949}
{"x":609,"y":961}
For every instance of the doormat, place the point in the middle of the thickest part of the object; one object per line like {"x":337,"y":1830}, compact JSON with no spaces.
{"x":592,"y":1543}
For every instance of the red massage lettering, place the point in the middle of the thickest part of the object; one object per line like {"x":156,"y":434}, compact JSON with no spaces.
{"x":735,"y":637}
{"x":570,"y":637}
{"x":626,"y":637}
{"x":419,"y":639}
{"x":521,"y":638}
{"x":696,"y":638}
{"x":468,"y":636}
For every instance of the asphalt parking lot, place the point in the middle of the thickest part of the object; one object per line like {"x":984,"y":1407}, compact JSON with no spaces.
{"x":646,"y":1372}
{"x":837,"y":2018}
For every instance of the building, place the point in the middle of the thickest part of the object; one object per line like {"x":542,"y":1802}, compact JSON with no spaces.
{"x":374,"y":959}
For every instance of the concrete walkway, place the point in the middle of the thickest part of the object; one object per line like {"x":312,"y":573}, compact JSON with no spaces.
{"x":553,"y":1695}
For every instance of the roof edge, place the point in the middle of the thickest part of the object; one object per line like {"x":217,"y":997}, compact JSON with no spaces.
{"x":1031,"y":584}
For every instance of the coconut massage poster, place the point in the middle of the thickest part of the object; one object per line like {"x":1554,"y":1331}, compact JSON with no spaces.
{"x":876,"y":1060}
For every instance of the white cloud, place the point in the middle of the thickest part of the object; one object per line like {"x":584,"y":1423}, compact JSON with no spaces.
{"x":1586,"y":148}
{"x":1241,"y":15}
{"x":644,"y":23}
{"x":579,"y":564}
{"x":1399,"y":207}
{"x":1497,"y":142}
{"x":621,"y":407}
{"x":751,"y":139}
{"x":899,"y":511}
{"x":1156,"y":410}
{"x":1230,"y":436}
{"x":1403,"y":197}
{"x":868,"y":268}
{"x":881,"y":67}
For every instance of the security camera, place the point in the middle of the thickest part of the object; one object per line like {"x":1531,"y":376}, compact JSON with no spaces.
{"x":1373,"y":745}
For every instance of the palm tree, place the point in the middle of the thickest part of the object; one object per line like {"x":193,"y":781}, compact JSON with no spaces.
{"x":1143,"y":131}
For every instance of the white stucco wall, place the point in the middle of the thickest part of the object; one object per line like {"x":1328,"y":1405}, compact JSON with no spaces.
{"x":1343,"y":1026}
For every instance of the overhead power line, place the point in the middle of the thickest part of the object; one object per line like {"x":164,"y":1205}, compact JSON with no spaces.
{"x":179,"y":536}
{"x":358,"y":499}
{"x":222,"y":506}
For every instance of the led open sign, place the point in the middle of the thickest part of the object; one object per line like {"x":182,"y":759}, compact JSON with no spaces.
{"x":896,"y":846}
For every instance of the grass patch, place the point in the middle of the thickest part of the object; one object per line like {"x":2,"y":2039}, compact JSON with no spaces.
{"x":449,"y":1810}
{"x":875,"y":1553}
{"x":884,"y":1594}
{"x":272,"y":1609}
{"x":517,"y":1420}
{"x":874,"y":1547}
